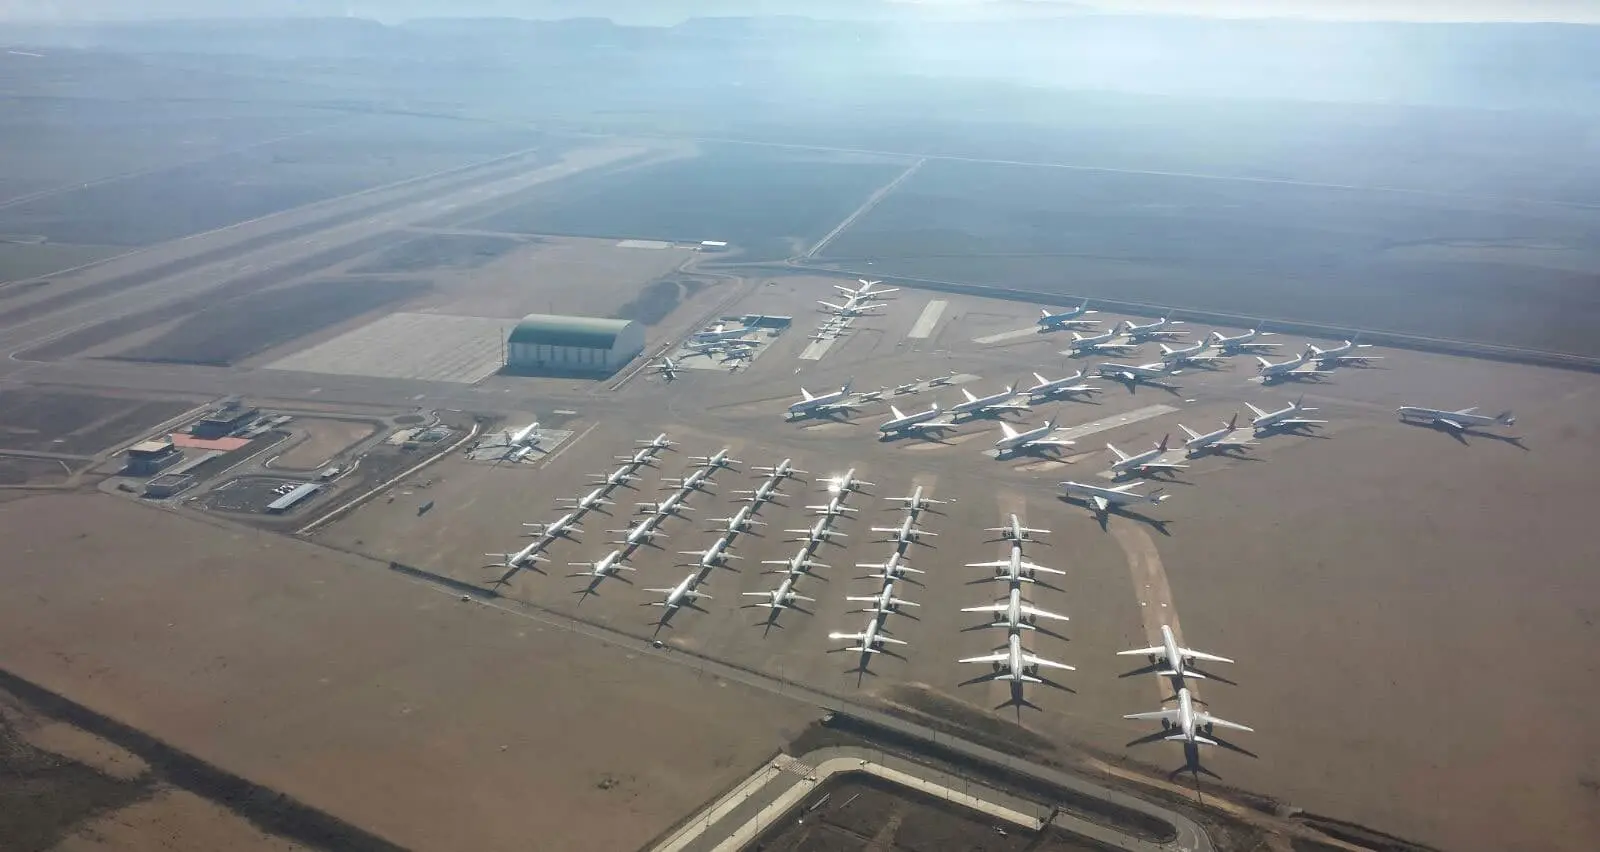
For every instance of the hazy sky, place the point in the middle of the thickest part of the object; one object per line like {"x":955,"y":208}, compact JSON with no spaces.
{"x":1583,"y":11}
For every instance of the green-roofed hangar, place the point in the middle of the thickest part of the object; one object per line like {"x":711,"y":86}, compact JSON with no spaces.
{"x":561,"y":344}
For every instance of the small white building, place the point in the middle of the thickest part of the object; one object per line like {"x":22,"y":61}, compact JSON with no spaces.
{"x":562,"y":344}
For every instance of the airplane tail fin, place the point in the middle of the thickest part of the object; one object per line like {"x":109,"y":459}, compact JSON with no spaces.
{"x":1163,"y":445}
{"x":1505,"y":418}
{"x":1264,"y":362}
{"x":1233,"y":422}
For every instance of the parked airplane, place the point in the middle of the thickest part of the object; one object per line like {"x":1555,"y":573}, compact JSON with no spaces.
{"x":605,"y":566}
{"x":713,"y":462}
{"x":782,"y":470}
{"x":621,"y":476}
{"x":1283,"y":418}
{"x":914,"y":386}
{"x":871,"y":640}
{"x":941,"y":381}
{"x":1015,"y":531}
{"x":1148,"y":461}
{"x":893,"y":569}
{"x":715,"y":556}
{"x":644,"y":532}
{"x":1132,"y":374}
{"x":848,"y":483}
{"x":901,"y":423}
{"x":906,"y":533}
{"x":673,"y":506}
{"x":783,"y":597}
{"x":1192,"y":725}
{"x":915,"y":502}
{"x":516,"y":444}
{"x":1107,"y":342}
{"x":594,"y":498}
{"x":1219,"y":441}
{"x":1294,"y":368}
{"x":1070,"y":318}
{"x":1037,"y":438}
{"x":1195,"y":354}
{"x":658,"y":443}
{"x":822,"y":403}
{"x":1013,"y":613}
{"x":1161,"y":328}
{"x":866,"y":289}
{"x":1015,"y":568}
{"x":721,"y":332}
{"x":833,"y":508}
{"x":764,"y":493}
{"x":1103,"y":498}
{"x":854,"y":306}
{"x":1175,"y":656}
{"x":817,"y":533}
{"x":994,"y":403}
{"x":524,"y":558}
{"x":1344,"y":353}
{"x":1242,"y":343}
{"x":794,"y":566}
{"x":725,"y":348}
{"x":558,"y":528}
{"x":740,"y":521}
{"x":645,"y":457}
{"x":870,"y":396}
{"x":1012,"y":662}
{"x":685,"y":595}
{"x":1048,"y":389}
{"x":666,"y":367}
{"x":699,"y":480}
{"x":883,"y":603}
{"x":1455,"y":420}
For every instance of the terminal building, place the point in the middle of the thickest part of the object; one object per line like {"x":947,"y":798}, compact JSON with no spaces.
{"x":151,"y":457}
{"x":546,"y":343}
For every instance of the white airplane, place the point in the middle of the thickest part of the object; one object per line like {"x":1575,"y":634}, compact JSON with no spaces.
{"x":673,"y":506}
{"x":644,"y":532}
{"x":1013,"y":613}
{"x":854,"y":306}
{"x":715,"y":556}
{"x":992,"y":404}
{"x":901,"y":423}
{"x":1015,"y":568}
{"x":518,"y":444}
{"x":1219,"y":441}
{"x":782,"y":470}
{"x":722,"y":332}
{"x":941,"y":381}
{"x":714,"y":462}
{"x":1070,"y":318}
{"x":816,"y":533}
{"x":783,"y":597}
{"x":822,"y":403}
{"x":883,"y":603}
{"x":558,"y":528}
{"x":1176,"y":657}
{"x":1103,"y":498}
{"x":1015,"y":531}
{"x":763,"y":493}
{"x":833,"y":508}
{"x":1148,"y":461}
{"x":643,"y":458}
{"x":847,"y":483}
{"x":1294,"y":368}
{"x":523,"y":558}
{"x":1029,"y":439}
{"x":696,"y":481}
{"x":1195,"y":354}
{"x":1344,"y":353}
{"x":666,"y":367}
{"x":1048,"y":389}
{"x":1242,"y":343}
{"x":686,"y":594}
{"x":915,"y":502}
{"x":1107,"y":342}
{"x":594,"y":498}
{"x":1131,"y":374}
{"x":1188,"y":721}
{"x":871,"y":640}
{"x":725,"y":348}
{"x":1283,"y":418}
{"x":795,"y":566}
{"x":1012,"y":662}
{"x":658,"y":443}
{"x":1455,"y":420}
{"x":894,"y":569}
{"x":914,"y":386}
{"x":1161,"y":328}
{"x":865,"y":289}
{"x":620,"y":476}
{"x":740,"y":521}
{"x":606,"y":566}
{"x":906,"y":533}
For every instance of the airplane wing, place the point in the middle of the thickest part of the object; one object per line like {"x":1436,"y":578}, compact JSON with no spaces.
{"x":1162,"y":465}
{"x":1008,"y":406}
{"x":847,"y":637}
{"x":1452,"y":424}
{"x":998,"y":563}
{"x":1032,"y":567}
{"x":1201,"y":655}
{"x":1049,"y":664}
{"x":1300,"y":421}
{"x":1143,"y":652}
{"x":883,"y":638}
{"x":806,"y":394}
{"x":987,"y":658}
{"x":1000,"y":607}
{"x":1157,"y":715}
{"x":1039,"y":613}
{"x":1208,"y":719}
{"x":1050,"y":442}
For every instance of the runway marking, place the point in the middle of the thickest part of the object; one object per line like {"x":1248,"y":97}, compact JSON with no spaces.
{"x":1014,"y":334}
{"x":929,"y":318}
{"x":1073,"y":433}
{"x":565,"y":445}
{"x":816,"y":349}
{"x":1152,"y":590}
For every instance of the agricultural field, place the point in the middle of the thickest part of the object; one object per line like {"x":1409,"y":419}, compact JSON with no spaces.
{"x":440,"y":251}
{"x":76,"y":424}
{"x":768,"y":203}
{"x":1406,"y":262}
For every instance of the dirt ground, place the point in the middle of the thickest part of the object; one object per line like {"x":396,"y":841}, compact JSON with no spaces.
{"x":1311,"y":561}
{"x":76,"y":423}
{"x":321,"y":441}
{"x":428,"y":722}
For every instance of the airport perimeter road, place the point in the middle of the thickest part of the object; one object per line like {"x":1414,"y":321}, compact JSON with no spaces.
{"x":1190,"y":836}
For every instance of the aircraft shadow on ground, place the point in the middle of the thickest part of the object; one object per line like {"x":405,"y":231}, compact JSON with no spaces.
{"x":1461,"y":435}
